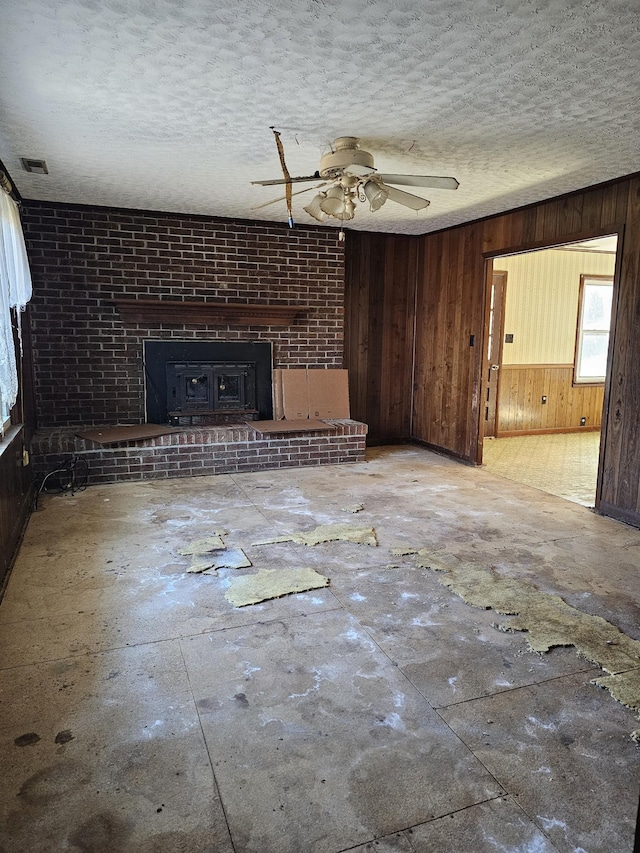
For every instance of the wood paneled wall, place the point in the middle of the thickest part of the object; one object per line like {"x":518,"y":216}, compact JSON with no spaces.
{"x":379,"y":314}
{"x":15,"y":499}
{"x":448,"y":341}
{"x":450,"y":309}
{"x":460,"y":253}
{"x":520,"y":406}
{"x":16,"y":479}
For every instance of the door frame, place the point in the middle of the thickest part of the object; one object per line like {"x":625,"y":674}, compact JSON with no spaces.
{"x":487,"y":361}
{"x":590,"y":234}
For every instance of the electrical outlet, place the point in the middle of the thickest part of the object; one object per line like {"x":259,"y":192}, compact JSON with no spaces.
{"x":544,"y":399}
{"x":583,"y":421}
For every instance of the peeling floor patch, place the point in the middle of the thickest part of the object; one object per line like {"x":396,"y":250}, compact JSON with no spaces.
{"x":625,"y":687}
{"x":273,"y":583}
{"x":353,"y":508}
{"x":205,"y":554}
{"x":328,"y":533}
{"x":232,"y":558}
{"x":549,"y":621}
{"x":204,"y":546}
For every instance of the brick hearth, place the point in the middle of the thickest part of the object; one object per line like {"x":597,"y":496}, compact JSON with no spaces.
{"x":199,"y":451}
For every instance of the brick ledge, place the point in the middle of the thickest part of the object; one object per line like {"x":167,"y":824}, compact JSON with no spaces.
{"x":200,"y":450}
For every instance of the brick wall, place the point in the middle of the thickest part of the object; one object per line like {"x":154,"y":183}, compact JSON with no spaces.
{"x":88,"y":363}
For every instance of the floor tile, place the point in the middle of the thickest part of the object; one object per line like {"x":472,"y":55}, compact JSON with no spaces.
{"x":438,"y":640}
{"x":307,"y":736}
{"x":87,"y":768}
{"x":560,"y":749}
{"x":498,"y":825}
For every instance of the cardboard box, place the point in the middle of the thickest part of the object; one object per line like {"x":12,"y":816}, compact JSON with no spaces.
{"x":328,"y":393}
{"x":295,"y":394}
{"x":310,"y":393}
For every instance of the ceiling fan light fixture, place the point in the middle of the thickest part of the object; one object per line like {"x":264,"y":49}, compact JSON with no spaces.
{"x":334,"y":202}
{"x":349,"y":209}
{"x":376,"y":195}
{"x":314,"y":208}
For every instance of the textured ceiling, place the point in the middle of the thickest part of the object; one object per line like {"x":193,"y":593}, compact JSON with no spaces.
{"x":167,"y":104}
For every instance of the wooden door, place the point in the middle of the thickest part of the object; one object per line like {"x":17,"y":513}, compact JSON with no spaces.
{"x":495,"y":334}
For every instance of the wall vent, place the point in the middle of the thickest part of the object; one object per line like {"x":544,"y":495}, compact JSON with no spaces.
{"x":38,"y":167}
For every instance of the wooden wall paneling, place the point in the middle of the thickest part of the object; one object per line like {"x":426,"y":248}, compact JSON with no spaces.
{"x":427,"y":383}
{"x":571,"y":212}
{"x":610,"y":446}
{"x":362,"y":293}
{"x":450,"y":309}
{"x":399,"y":300}
{"x":520,"y":408}
{"x":436,"y":329}
{"x":379,"y":310}
{"x":592,"y":210}
{"x":356,"y":351}
{"x":546,"y":221}
{"x":511,"y":408}
{"x":623,"y":442}
{"x":351,"y":329}
{"x":448,"y":343}
{"x":374,"y":404}
{"x":474,"y":301}
{"x":15,"y":500}
{"x":423,"y":358}
{"x":425,"y":363}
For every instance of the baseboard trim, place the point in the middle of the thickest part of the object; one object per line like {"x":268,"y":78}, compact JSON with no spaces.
{"x":627,"y":516}
{"x":442,"y":451}
{"x":551,"y":431}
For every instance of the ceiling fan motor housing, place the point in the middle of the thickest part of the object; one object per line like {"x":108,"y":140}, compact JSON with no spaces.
{"x":347,"y":153}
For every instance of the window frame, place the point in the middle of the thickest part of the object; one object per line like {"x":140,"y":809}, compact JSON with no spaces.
{"x":589,"y":380}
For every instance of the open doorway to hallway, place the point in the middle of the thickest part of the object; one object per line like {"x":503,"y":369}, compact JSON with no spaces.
{"x":547,"y":341}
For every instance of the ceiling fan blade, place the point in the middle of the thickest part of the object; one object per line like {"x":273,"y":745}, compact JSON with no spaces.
{"x":283,"y":197}
{"x":277,"y":181}
{"x":407,"y":199}
{"x":421,"y":181}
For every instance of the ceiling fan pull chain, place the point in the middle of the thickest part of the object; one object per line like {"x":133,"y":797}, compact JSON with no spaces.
{"x":287,"y":176}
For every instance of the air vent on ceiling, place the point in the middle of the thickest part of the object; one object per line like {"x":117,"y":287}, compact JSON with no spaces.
{"x":38,"y":167}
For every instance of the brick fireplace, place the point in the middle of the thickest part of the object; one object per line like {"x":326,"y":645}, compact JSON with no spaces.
{"x":192,"y":279}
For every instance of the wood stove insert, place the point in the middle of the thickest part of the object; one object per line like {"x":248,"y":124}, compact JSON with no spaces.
{"x":199,"y":383}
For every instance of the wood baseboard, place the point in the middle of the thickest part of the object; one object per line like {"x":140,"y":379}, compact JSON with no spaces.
{"x":627,"y":516}
{"x":552,"y":430}
{"x":442,"y":451}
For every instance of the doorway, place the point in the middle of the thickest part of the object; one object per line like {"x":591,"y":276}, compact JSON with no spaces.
{"x":545,"y":365}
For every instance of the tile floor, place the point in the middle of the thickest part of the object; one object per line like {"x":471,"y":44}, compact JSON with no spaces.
{"x":563,"y":464}
{"x":141,"y":712}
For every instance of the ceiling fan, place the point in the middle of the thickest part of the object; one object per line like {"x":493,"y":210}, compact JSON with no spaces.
{"x":349,"y":175}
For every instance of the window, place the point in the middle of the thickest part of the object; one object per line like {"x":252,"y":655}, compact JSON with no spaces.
{"x":594,"y":319}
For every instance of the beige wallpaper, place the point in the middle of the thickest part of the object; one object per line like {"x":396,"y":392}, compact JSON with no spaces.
{"x":542,"y":302}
